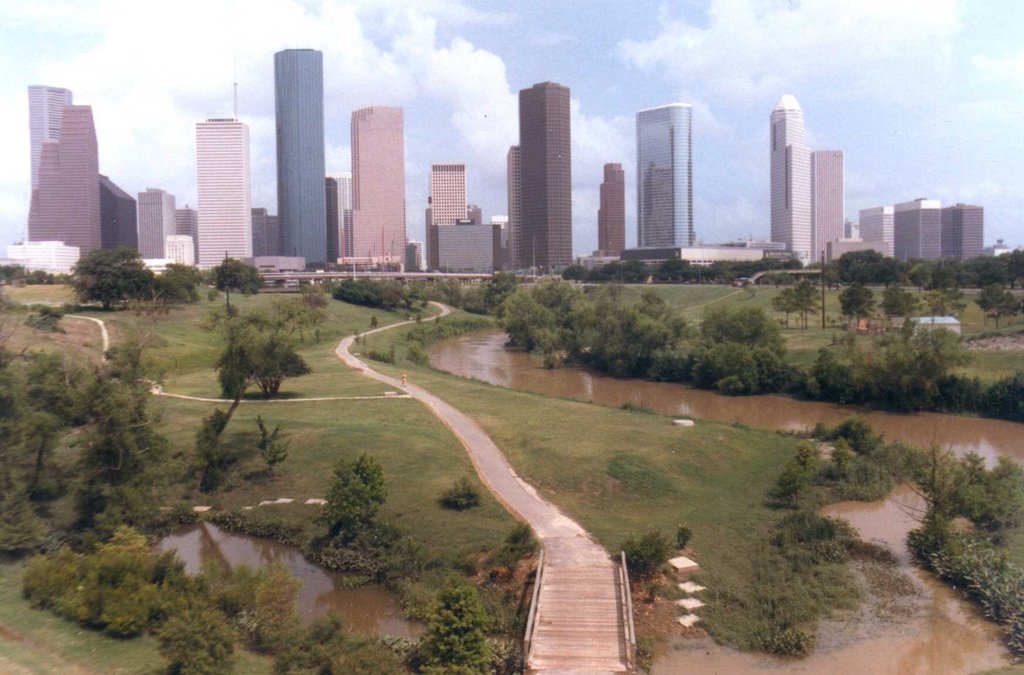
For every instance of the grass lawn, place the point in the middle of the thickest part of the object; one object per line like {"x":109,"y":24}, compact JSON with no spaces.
{"x":55,"y":294}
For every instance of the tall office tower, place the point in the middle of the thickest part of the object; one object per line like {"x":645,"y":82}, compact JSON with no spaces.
{"x":963,"y":231}
{"x":299,"y":107}
{"x":66,"y":205}
{"x":664,"y":182}
{"x":156,"y":222}
{"x":790,"y":179}
{"x":876,"y":224}
{"x":222,"y":179}
{"x":118,"y":224}
{"x":917,"y":230}
{"x":186,"y":222}
{"x":266,"y":233}
{"x":378,"y":184}
{"x":611,"y":214}
{"x":45,"y":110}
{"x":332,"y":221}
{"x":828,"y":208}
{"x":345,"y":213}
{"x":515,"y":223}
{"x":447,"y":203}
{"x":545,"y":169}
{"x":414,"y":256}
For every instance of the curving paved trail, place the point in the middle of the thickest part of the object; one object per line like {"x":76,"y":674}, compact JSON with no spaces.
{"x":103,"y":332}
{"x":579,"y":617}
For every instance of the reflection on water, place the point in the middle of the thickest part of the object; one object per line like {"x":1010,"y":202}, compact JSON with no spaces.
{"x":370,"y":610}
{"x":484,"y":357}
{"x":947,"y":635}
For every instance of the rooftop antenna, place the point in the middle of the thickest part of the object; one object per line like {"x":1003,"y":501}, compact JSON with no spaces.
{"x":236,"y":86}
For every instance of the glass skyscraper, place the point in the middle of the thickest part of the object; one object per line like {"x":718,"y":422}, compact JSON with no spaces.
{"x":664,"y":185}
{"x":791,"y":180}
{"x":301,"y":199}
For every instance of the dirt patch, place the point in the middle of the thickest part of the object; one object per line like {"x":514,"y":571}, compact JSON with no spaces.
{"x":999,"y":343}
{"x":8,"y":634}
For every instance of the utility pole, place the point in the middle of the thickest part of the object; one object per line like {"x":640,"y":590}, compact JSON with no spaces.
{"x":823,"y":290}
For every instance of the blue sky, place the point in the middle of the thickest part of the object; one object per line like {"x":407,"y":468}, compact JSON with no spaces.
{"x":925,"y":97}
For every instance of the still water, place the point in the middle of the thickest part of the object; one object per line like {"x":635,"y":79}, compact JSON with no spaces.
{"x":369,"y":610}
{"x":944,"y":635}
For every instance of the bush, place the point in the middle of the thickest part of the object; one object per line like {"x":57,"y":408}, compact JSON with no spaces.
{"x":460,"y":496}
{"x":683,"y":534}
{"x":646,"y":553}
{"x":197,"y":642}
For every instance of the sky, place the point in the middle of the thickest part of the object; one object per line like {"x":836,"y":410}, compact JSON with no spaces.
{"x":924,"y":97}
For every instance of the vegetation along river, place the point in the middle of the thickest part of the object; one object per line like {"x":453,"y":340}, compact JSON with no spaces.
{"x":936,"y":633}
{"x":369,"y":610}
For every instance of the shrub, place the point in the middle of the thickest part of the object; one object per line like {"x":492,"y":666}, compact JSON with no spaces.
{"x":646,"y":553}
{"x":460,"y":496}
{"x":197,"y":642}
{"x":683,"y":534}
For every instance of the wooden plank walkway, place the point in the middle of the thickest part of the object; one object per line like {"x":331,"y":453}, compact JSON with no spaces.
{"x":579,"y":624}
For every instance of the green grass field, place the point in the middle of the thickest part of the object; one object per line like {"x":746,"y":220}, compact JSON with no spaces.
{"x":49,"y":295}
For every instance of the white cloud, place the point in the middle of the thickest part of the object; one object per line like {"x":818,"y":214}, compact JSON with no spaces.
{"x":1008,"y":68}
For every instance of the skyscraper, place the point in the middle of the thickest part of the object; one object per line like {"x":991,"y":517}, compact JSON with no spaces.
{"x":790,"y":179}
{"x":345,"y":213}
{"x":515,"y":223}
{"x":545,"y":153}
{"x":45,"y":111}
{"x":664,"y":184}
{"x":118,"y":223}
{"x":963,"y":231}
{"x":66,"y":205}
{"x":447,"y":203}
{"x":333,"y":222}
{"x":917,"y":230}
{"x":611,"y":215}
{"x":266,"y":233}
{"x":827,"y":199}
{"x":156,"y":222}
{"x":876,"y":224}
{"x":186,"y":222}
{"x":378,"y":184}
{"x":222,"y":179}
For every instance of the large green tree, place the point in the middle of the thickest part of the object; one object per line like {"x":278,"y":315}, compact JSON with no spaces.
{"x":235,"y":275}
{"x":456,"y":639}
{"x":355,"y":495}
{"x":997,"y":301}
{"x":112,"y":276}
{"x":898,"y":302}
{"x":857,"y":301}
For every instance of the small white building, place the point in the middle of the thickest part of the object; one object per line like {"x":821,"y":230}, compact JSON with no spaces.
{"x":934,"y":322}
{"x":181,"y":249}
{"x":52,"y":257}
{"x":158,"y":265}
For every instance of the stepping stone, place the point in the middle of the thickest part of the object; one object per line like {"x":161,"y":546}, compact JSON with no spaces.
{"x":315,"y":501}
{"x":690,"y":587}
{"x":688,"y":620}
{"x":391,"y":393}
{"x":247,"y":508}
{"x":684,"y":565}
{"x":690,"y":603}
{"x":201,"y":509}
{"x":279,"y":500}
{"x":683,"y":423}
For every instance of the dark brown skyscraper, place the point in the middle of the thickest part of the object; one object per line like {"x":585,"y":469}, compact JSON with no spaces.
{"x":266,"y":233}
{"x":118,"y":224}
{"x":66,"y":205}
{"x":611,"y":216}
{"x":333,"y":233}
{"x":546,"y":177}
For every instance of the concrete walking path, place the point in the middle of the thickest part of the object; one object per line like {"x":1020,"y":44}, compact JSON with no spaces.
{"x":579,"y":625}
{"x":103,"y":332}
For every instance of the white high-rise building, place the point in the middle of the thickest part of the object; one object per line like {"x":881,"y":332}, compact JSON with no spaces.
{"x":156,"y":222}
{"x":222,"y":179}
{"x":791,"y":179}
{"x":876,"y":224}
{"x":447,"y":193}
{"x":664,"y":176}
{"x":828,"y":210}
{"x":180,"y":249}
{"x":45,"y":111}
{"x":345,"y":213}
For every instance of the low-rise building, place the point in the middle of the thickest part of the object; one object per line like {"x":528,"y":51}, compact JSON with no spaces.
{"x":835,"y":249}
{"x":695,"y":255}
{"x":52,"y":257}
{"x":181,"y":249}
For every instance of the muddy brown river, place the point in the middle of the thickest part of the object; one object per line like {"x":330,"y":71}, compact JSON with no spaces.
{"x":369,"y":610}
{"x":944,"y":635}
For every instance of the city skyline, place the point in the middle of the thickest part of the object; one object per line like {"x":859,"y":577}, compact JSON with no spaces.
{"x":911,"y":123}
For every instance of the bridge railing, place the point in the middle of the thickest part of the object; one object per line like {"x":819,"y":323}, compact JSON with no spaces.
{"x":531,"y":618}
{"x":629,"y":632}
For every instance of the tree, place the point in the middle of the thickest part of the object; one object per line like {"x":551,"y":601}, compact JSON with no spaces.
{"x":354,"y":497}
{"x":1015,"y":267}
{"x":234,"y":275}
{"x":112,"y":276}
{"x":785,"y":302}
{"x":177,"y":285}
{"x":272,"y":447}
{"x":997,"y":301}
{"x":898,"y":302}
{"x":805,"y":299}
{"x":259,"y":349}
{"x":197,"y":641}
{"x":20,"y":530}
{"x":945,"y":302}
{"x":456,"y":637}
{"x":798,"y":474}
{"x":920,"y":274}
{"x":857,"y":301}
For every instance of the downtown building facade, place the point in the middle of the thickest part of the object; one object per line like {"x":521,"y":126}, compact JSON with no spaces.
{"x":266,"y":233}
{"x":877,"y":224}
{"x":917,"y":230}
{"x":828,"y":209}
{"x":186,"y":222}
{"x":45,"y":112}
{"x":66,"y":204}
{"x":157,"y":221}
{"x":611,"y":214}
{"x":790,"y":184}
{"x":180,"y":249}
{"x":344,"y":180}
{"x":514,"y":194}
{"x":333,"y":222}
{"x":222,"y":180}
{"x":545,"y":178}
{"x":446,"y":205}
{"x":299,"y":110}
{"x":378,"y":185}
{"x":963,"y":231}
{"x":664,"y":186}
{"x":118,"y":217}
